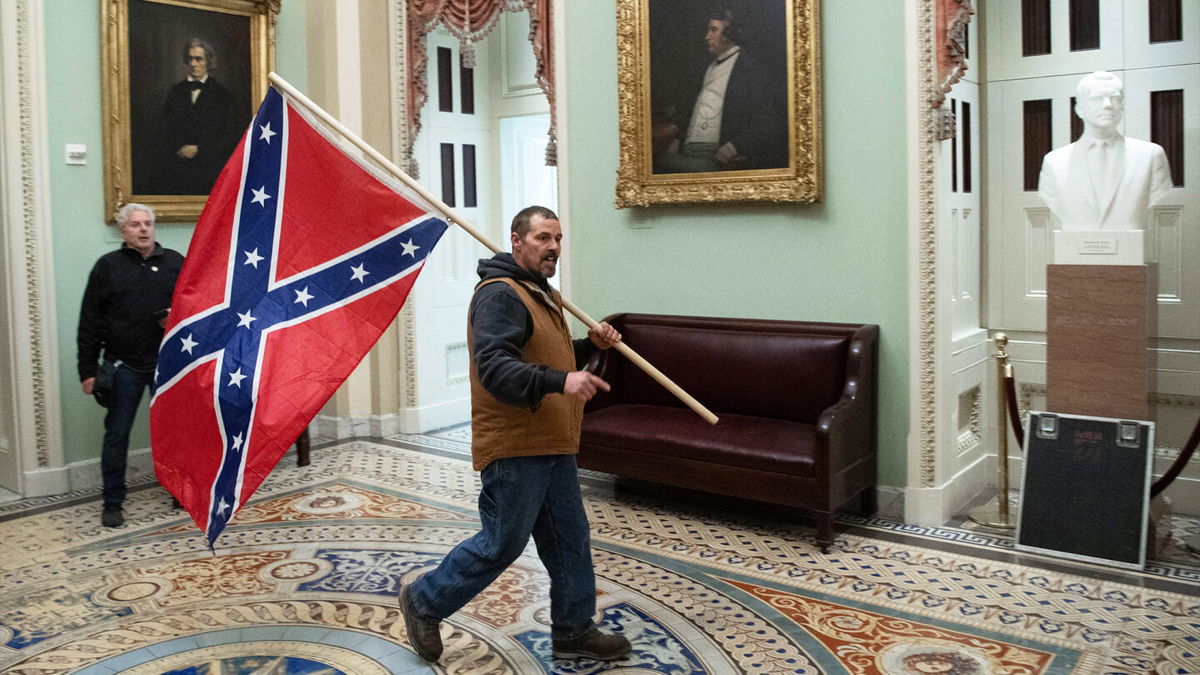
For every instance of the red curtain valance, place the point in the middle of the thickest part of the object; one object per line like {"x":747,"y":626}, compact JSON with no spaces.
{"x":471,"y":21}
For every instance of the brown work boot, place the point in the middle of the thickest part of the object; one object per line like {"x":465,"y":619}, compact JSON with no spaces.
{"x":423,"y":633}
{"x":593,"y":644}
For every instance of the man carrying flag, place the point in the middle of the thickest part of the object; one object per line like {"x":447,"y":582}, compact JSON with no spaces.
{"x":301,"y":258}
{"x":527,"y":396}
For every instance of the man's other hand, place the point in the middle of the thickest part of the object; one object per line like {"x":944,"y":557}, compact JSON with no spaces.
{"x":88,"y":385}
{"x":726,"y":153}
{"x":605,"y":336}
{"x":188,"y":151}
{"x":583,"y":385}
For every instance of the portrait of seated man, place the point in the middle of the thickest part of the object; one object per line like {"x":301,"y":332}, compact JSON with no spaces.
{"x":733,"y":117}
{"x":200,"y":126}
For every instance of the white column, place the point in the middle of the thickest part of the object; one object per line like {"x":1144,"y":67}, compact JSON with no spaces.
{"x":34,"y":438}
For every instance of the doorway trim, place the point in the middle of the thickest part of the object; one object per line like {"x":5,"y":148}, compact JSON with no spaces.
{"x":27,"y":252}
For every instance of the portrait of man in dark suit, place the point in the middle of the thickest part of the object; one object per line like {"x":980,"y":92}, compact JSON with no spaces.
{"x":201,"y":125}
{"x":728,"y":111}
{"x":189,"y":95}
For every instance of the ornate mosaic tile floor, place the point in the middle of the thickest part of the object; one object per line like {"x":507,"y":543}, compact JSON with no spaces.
{"x":304,"y":581}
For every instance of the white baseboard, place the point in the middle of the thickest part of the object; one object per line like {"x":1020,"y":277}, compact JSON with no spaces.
{"x":929,"y":507}
{"x":45,"y":482}
{"x":890,"y":502}
{"x":86,"y":475}
{"x":438,"y":416}
{"x":407,"y":421}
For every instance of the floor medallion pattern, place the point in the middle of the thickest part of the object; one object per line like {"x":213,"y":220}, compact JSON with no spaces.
{"x":304,"y":581}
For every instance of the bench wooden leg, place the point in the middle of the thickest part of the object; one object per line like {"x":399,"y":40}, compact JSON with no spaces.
{"x":302,"y":446}
{"x":824,"y":531}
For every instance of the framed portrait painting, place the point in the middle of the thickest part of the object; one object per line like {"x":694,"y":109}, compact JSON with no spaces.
{"x":719,"y":101}
{"x":181,"y":80}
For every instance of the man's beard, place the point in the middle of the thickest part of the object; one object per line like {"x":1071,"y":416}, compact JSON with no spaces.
{"x":543,"y":264}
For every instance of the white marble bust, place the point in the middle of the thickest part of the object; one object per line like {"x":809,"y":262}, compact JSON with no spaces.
{"x":1103,"y":181}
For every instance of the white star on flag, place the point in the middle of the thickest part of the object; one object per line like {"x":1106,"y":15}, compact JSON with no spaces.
{"x":302,"y":296}
{"x":260,"y":196}
{"x":409,"y":248}
{"x":235,"y":378}
{"x":245,"y":319}
{"x":189,"y":344}
{"x":222,"y":507}
{"x":266,"y":132}
{"x":237,"y":442}
{"x":252,"y":258}
{"x":357,"y":273}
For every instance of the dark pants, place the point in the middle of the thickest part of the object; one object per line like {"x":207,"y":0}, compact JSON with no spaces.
{"x":522,"y":496}
{"x":128,"y":385}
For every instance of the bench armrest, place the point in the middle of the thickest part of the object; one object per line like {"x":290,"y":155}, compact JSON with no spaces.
{"x":847,"y":429}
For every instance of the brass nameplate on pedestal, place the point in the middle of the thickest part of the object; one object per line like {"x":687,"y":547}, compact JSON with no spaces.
{"x":1099,"y":247}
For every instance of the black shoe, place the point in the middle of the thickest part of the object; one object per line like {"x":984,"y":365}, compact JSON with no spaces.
{"x":593,"y":644}
{"x":423,"y":635}
{"x":113,"y":516}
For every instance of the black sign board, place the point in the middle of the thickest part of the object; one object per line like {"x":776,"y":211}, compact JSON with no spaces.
{"x":1086,"y":488}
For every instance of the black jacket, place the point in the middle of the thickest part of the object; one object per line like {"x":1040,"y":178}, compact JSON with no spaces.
{"x":501,"y":326}
{"x":213,"y":124}
{"x":754,"y":115}
{"x":122,"y":305}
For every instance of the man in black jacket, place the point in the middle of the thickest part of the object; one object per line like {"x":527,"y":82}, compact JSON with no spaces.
{"x":124,"y":311}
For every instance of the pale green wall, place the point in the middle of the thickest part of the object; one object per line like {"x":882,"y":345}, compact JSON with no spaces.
{"x":842,"y":260}
{"x":80,"y":234}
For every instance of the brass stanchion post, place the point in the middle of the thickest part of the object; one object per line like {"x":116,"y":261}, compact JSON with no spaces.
{"x":997,"y":515}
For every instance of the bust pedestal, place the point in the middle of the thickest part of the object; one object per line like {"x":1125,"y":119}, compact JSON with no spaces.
{"x":1099,"y":321}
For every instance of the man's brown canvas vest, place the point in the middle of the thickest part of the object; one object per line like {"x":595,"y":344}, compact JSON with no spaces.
{"x":502,"y":430}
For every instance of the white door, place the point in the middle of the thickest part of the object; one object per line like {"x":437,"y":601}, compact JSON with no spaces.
{"x":454,"y":152}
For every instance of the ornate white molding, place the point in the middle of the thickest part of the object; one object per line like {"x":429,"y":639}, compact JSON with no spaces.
{"x":402,"y":151}
{"x":28,"y":245}
{"x":972,"y":435}
{"x":926,"y":423}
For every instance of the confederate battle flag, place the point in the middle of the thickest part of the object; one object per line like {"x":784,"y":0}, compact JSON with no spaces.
{"x":300,"y":260}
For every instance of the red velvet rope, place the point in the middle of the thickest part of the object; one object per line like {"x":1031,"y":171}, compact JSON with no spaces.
{"x":1181,"y":461}
{"x":1014,"y":416}
{"x":1176,"y":468}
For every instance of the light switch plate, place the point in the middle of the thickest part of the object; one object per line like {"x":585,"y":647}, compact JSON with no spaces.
{"x":76,"y":153}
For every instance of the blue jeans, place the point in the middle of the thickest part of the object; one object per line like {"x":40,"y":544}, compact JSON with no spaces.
{"x":127,"y":388}
{"x":522,"y":496}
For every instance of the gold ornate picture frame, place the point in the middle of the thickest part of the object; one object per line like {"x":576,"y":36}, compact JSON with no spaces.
{"x":734,"y":117}
{"x":164,"y":143}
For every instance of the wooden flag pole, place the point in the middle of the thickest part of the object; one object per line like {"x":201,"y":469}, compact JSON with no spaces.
{"x":399,"y":174}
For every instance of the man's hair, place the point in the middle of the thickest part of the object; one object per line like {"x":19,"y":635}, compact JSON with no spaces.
{"x":210,"y":57}
{"x":127,"y":210}
{"x":726,"y":15}
{"x":1098,"y":77}
{"x":520,"y":222}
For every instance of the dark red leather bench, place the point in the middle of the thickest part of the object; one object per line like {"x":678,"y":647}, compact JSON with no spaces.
{"x":796,"y":400}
